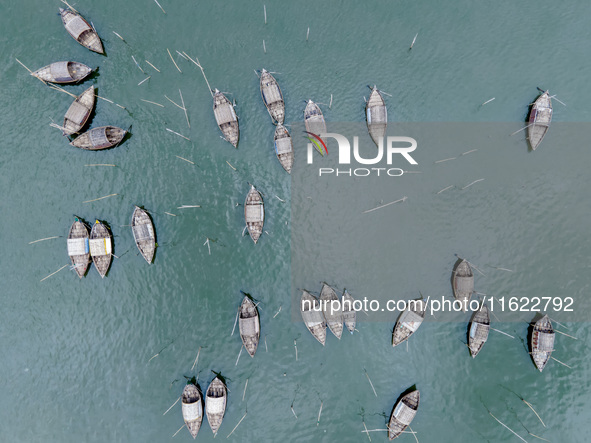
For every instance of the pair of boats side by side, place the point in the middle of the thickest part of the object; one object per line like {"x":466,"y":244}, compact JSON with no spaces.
{"x":96,"y":244}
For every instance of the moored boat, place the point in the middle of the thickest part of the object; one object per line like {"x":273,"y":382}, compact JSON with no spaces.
{"x":376,"y":115}
{"x":478,"y":330}
{"x":403,"y":414}
{"x":409,"y":321}
{"x":283,"y":147}
{"x":78,"y":248}
{"x":540,"y":117}
{"x":103,"y":137}
{"x":349,"y":312}
{"x":62,"y":72}
{"x":463,"y":283}
{"x":249,"y":325}
{"x":192,"y":408}
{"x":272,"y":97}
{"x":332,"y":311}
{"x":254,"y":214}
{"x":542,"y":342}
{"x":78,"y":112}
{"x":313,"y":316}
{"x":143,"y":233}
{"x":101,"y":246}
{"x":313,"y":119}
{"x":81,"y":30}
{"x":226,"y":118}
{"x":215,"y":404}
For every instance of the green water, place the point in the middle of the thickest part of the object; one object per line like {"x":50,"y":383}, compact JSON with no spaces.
{"x":77,"y":360}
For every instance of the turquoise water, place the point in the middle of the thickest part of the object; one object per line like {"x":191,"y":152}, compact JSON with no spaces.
{"x":77,"y":355}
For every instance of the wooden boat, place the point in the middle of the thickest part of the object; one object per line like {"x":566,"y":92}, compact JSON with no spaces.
{"x":103,"y":137}
{"x":403,"y":413}
{"x":540,"y":117}
{"x":334,"y":317}
{"x":101,"y":246}
{"x":226,"y":118}
{"x":478,"y":330}
{"x":376,"y":115}
{"x":313,"y":316}
{"x":463,"y":283}
{"x":143,"y":233}
{"x":284,"y":147}
{"x":78,"y":248}
{"x":254,"y":214}
{"x":272,"y":97}
{"x":314,"y":119}
{"x":249,"y":325}
{"x":81,"y":30}
{"x":542,"y":342}
{"x":409,"y":321}
{"x":192,"y":408}
{"x":78,"y":112}
{"x":349,"y":312}
{"x":63,"y":72}
{"x":215,"y":404}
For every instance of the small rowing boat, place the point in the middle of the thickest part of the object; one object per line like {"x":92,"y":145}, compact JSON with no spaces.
{"x":101,"y":247}
{"x":272,"y":97}
{"x":376,"y":115}
{"x":143,"y":233}
{"x":313,"y":316}
{"x":254,"y":214}
{"x":103,"y":137}
{"x":403,"y":413}
{"x":542,"y":342}
{"x":78,"y":112}
{"x":192,"y":407}
{"x":463,"y":283}
{"x":409,"y":321}
{"x":332,"y":310}
{"x":540,"y":117}
{"x":478,"y":330}
{"x":81,"y":30}
{"x":215,"y":404}
{"x":284,"y":147}
{"x":249,"y":325}
{"x":226,"y":118}
{"x":78,"y":248}
{"x":313,"y":119}
{"x":63,"y":72}
{"x":349,"y":312}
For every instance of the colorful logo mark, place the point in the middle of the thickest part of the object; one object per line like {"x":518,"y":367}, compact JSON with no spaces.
{"x":315,"y":142}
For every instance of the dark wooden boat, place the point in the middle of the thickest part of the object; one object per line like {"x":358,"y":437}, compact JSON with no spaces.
{"x":101,"y":247}
{"x":78,"y":248}
{"x":226,"y":118}
{"x":313,"y":316}
{"x":103,"y":137}
{"x":215,"y":404}
{"x":334,"y":317}
{"x":81,"y":30}
{"x":249,"y":325}
{"x":78,"y":112}
{"x":63,"y":72}
{"x":376,"y":115}
{"x":313,"y":119}
{"x":540,"y":117}
{"x":478,"y":330}
{"x":349,"y":312}
{"x":272,"y":97}
{"x":409,"y":321}
{"x":284,"y":147}
{"x":542,"y":342}
{"x":463,"y":283}
{"x":254,"y":214}
{"x":143,"y":233}
{"x":192,"y":408}
{"x":403,"y":413}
